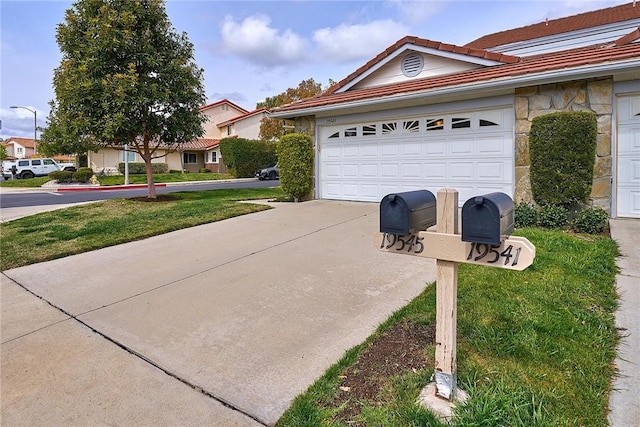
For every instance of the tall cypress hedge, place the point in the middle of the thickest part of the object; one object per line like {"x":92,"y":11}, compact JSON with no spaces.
{"x":295,"y":158}
{"x":562,"y":147}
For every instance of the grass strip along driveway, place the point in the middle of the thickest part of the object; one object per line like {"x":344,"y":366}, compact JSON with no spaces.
{"x":535,"y":348}
{"x":83,"y":228}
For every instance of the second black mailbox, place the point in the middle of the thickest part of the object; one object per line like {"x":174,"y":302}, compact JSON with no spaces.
{"x":486,"y":218}
{"x":408,"y":212}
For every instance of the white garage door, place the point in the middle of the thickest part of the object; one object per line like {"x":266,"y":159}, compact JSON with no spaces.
{"x":628,"y":195}
{"x":472,"y":152}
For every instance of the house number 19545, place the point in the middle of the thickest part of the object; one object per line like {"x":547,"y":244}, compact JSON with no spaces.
{"x":411,"y":243}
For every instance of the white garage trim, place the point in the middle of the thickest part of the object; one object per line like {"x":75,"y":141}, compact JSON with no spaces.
{"x":471,"y":151}
{"x":628,"y":156}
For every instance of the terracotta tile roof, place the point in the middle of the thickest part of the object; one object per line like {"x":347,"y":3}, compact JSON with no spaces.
{"x":200,"y":144}
{"x":556,"y":61}
{"x":551,"y":27}
{"x":244,"y":116}
{"x":444,"y":47}
{"x":25,"y":142}
{"x":223,"y":101}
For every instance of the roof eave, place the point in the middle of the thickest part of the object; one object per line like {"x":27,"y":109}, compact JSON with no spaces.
{"x":545,"y":77}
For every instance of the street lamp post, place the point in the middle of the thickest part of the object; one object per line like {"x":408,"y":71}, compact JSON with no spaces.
{"x":35,"y":126}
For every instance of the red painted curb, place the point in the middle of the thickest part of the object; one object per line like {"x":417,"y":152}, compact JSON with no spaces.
{"x":112,"y":187}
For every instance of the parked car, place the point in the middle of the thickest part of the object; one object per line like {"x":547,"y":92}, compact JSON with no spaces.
{"x":29,"y":168}
{"x":272,"y":172}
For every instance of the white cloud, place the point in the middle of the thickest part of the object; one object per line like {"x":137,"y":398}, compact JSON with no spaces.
{"x":346,"y":42}
{"x":417,"y":12}
{"x":256,"y":41}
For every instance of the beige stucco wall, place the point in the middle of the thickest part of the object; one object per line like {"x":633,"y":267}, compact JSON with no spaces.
{"x":534,"y":101}
{"x":248,"y":128}
{"x":218,"y":114}
{"x":107,"y":159}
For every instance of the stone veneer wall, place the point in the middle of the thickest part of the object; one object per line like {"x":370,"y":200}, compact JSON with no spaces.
{"x":534,"y":101}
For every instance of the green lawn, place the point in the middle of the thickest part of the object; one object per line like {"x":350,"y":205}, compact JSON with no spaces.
{"x":83,"y":228}
{"x":163,"y":177}
{"x":535,"y":348}
{"x":119,"y":179}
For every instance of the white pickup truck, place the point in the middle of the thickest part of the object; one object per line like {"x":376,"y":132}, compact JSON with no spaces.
{"x":28,"y":168}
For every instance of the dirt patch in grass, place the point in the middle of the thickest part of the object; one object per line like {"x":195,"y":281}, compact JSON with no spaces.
{"x":397,"y":351}
{"x":159,"y":198}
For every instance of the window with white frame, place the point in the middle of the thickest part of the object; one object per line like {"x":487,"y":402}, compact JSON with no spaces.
{"x":128,"y":156}
{"x":214,"y":157}
{"x":189,"y":158}
{"x":19,"y":150}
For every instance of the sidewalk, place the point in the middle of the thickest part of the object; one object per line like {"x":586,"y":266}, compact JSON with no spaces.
{"x":625,"y":397}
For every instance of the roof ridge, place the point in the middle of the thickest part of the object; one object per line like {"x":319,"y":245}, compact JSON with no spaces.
{"x":422,"y":42}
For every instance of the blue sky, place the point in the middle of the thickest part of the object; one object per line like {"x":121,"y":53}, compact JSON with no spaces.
{"x":254,"y":49}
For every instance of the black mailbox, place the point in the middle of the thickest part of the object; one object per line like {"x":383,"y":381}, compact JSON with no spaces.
{"x":486,"y":218}
{"x":408,"y":212}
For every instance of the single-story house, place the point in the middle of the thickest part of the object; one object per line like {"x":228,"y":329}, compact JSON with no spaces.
{"x":225,"y":120}
{"x":428,"y":115}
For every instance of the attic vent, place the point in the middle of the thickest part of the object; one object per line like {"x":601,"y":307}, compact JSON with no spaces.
{"x":412,"y":65}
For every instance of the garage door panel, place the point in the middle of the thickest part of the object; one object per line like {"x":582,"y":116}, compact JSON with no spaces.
{"x":412,"y":149}
{"x":491,"y":171}
{"x":350,"y":190}
{"x":351,"y":151}
{"x":369,"y":191}
{"x":629,"y":171}
{"x":411,"y":170}
{"x":390,"y":171}
{"x":435,"y":171}
{"x":389,"y":149}
{"x":461,"y":170}
{"x":464,"y":146}
{"x":434,"y":148}
{"x":331,"y":171}
{"x":369,"y":150}
{"x":494,"y":145}
{"x":331,"y":152}
{"x":391,"y":157}
{"x":369,"y":170}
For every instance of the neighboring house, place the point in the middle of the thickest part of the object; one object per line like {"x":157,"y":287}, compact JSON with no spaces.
{"x":19,"y":148}
{"x":428,"y":115}
{"x":225,"y":119}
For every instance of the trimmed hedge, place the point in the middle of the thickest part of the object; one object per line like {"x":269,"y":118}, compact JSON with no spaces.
{"x":83,"y":175}
{"x":61,"y":176}
{"x":136,"y":168}
{"x":244,"y":157}
{"x":295,"y":158}
{"x":562,"y":147}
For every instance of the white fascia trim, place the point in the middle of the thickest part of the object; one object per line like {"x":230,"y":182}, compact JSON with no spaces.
{"x":507,"y":82}
{"x":565,"y":37}
{"x":421,"y":49}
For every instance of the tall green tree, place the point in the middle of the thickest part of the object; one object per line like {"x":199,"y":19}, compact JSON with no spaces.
{"x":3,"y":152}
{"x":273,"y":129}
{"x":126,"y":77}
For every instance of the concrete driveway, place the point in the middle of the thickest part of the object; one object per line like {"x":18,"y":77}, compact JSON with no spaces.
{"x":221,"y":324}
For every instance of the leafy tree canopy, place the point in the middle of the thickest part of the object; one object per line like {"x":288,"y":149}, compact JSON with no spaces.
{"x":126,"y":77}
{"x":273,"y":129}
{"x":3,"y":152}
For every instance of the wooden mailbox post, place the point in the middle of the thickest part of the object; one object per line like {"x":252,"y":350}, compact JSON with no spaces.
{"x":446,"y":246}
